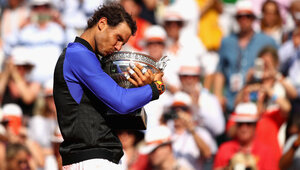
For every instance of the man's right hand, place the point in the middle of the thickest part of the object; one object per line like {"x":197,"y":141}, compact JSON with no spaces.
{"x":138,"y":79}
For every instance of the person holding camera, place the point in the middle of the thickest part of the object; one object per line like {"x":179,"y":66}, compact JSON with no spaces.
{"x":238,"y":153}
{"x":190,"y":142}
{"x":267,"y":89}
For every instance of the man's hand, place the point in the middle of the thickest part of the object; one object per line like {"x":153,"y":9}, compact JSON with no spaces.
{"x":138,"y":78}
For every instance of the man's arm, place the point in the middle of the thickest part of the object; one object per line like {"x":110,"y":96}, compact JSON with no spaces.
{"x":87,"y":71}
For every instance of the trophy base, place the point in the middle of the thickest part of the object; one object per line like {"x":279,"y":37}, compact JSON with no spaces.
{"x":135,"y":120}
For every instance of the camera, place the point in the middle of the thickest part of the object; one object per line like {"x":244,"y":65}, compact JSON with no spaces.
{"x":171,"y":113}
{"x":258,"y":70}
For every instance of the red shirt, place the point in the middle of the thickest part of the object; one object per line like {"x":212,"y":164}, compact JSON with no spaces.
{"x":263,"y":154}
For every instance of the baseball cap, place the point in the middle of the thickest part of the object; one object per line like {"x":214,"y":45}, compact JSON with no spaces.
{"x":244,"y":7}
{"x":40,"y":2}
{"x":48,"y":88}
{"x":155,"y":137}
{"x":181,"y":99}
{"x":13,"y":114}
{"x":172,"y":14}
{"x":189,"y":67}
{"x":20,"y":56}
{"x":245,"y":112}
{"x":155,"y":33}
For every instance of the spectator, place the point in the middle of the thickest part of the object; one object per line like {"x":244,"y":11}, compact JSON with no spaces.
{"x":291,"y":152}
{"x":18,"y":157}
{"x":16,"y":87}
{"x":130,"y":139}
{"x":16,"y":133}
{"x":244,"y":143}
{"x":159,"y":147}
{"x":271,"y":22}
{"x":43,"y":125}
{"x":190,"y":142}
{"x":180,"y":47}
{"x":12,"y":20}
{"x":154,"y":44}
{"x":294,"y":9}
{"x":210,"y":33}
{"x":43,"y":34}
{"x":237,"y":55}
{"x":133,"y":7}
{"x":272,"y":103}
{"x":56,"y":140}
{"x":207,"y":116}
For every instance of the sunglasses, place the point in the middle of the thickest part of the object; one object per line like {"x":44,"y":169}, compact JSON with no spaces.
{"x":170,"y":23}
{"x":155,"y":42}
{"x":183,"y":108}
{"x":248,"y":16}
{"x":47,"y":6}
{"x":246,"y":123}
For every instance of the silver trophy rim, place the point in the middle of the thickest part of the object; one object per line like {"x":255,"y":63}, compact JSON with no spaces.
{"x":131,"y":56}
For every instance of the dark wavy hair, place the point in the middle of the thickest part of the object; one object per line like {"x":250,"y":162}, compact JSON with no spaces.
{"x":115,"y":14}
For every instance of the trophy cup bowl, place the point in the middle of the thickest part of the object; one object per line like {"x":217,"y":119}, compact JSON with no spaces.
{"x":117,"y":63}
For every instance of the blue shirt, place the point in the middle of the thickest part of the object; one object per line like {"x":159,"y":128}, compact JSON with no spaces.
{"x":234,"y":59}
{"x":83,"y":68}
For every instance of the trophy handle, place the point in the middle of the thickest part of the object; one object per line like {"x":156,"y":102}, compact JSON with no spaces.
{"x":162,"y":63}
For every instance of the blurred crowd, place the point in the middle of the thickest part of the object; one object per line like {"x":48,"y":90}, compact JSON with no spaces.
{"x":233,"y":84}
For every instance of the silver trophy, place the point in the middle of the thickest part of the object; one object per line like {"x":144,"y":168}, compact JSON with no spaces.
{"x":115,"y":66}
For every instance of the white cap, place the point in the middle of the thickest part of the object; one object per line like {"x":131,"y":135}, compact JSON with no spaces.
{"x":48,"y":87}
{"x":172,"y":14}
{"x":181,"y":99}
{"x":20,"y":56}
{"x":40,"y":2}
{"x":245,"y":112}
{"x":155,"y":33}
{"x":244,"y":7}
{"x":12,"y":109}
{"x":156,"y":137}
{"x":190,"y":67}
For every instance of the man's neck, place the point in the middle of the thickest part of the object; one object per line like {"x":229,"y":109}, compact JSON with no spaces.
{"x":246,"y":146}
{"x":88,"y":36}
{"x":245,"y":37}
{"x":168,"y":163}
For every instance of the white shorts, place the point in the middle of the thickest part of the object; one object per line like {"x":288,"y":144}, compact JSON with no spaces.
{"x":93,"y":164}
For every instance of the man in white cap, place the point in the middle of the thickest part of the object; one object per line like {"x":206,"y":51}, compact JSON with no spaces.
{"x":237,"y":54}
{"x":159,"y":148}
{"x":209,"y":117}
{"x":154,"y":42}
{"x":245,"y":116}
{"x":191,"y":142}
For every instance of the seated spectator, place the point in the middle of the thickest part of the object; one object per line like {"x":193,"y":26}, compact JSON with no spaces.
{"x":209,"y":117}
{"x":238,"y":52}
{"x":270,"y":97}
{"x":43,"y":125}
{"x":15,"y":85}
{"x":244,"y":144}
{"x":130,"y":139}
{"x":13,"y":19}
{"x":154,"y":44}
{"x":16,"y":133}
{"x":18,"y":157}
{"x":159,"y":147}
{"x":42,"y":39}
{"x":180,"y":47}
{"x":290,"y":159}
{"x":271,"y":22}
{"x":190,"y":142}
{"x":133,"y":7}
